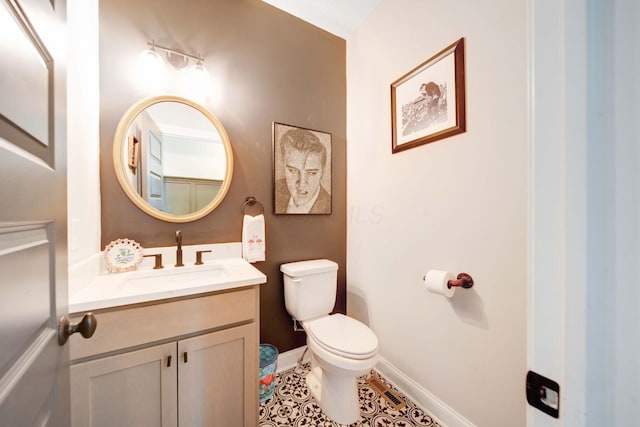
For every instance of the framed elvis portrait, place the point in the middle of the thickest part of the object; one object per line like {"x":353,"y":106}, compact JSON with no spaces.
{"x":302,"y":170}
{"x":428,"y":103}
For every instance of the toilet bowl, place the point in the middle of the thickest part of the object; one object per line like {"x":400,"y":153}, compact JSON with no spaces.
{"x":342,"y":348}
{"x":336,"y":364}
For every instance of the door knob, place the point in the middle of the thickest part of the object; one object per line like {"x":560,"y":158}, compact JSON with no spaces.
{"x":87,"y":326}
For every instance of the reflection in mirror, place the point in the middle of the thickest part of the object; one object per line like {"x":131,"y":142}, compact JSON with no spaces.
{"x":173,"y":158}
{"x":177,"y":158}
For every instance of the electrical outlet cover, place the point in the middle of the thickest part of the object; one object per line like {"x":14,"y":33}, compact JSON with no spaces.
{"x":543,"y":393}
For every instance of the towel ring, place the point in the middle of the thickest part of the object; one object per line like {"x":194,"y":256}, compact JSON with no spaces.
{"x":250,"y":201}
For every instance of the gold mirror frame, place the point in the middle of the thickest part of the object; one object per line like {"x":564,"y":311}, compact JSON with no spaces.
{"x":119,"y":144}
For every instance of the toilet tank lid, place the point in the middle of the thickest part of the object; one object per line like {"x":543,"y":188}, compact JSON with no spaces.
{"x":305,"y":268}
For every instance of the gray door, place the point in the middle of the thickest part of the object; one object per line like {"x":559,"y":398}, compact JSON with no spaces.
{"x":34,"y":368}
{"x":154,"y":192}
{"x":151,"y":163}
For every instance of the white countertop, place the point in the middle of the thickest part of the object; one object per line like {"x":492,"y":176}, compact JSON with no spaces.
{"x":147,"y":284}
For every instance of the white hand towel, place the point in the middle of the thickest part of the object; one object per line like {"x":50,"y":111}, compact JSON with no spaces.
{"x":253,"y":244}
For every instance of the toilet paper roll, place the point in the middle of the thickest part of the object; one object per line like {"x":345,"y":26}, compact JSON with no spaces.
{"x":436,"y":281}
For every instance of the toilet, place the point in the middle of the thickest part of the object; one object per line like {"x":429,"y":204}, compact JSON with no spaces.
{"x":342,"y":348}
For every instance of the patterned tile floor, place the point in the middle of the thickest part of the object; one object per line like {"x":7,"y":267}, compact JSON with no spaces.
{"x":292,"y":405}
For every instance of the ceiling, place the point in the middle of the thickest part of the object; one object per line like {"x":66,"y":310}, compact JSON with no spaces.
{"x":339,"y":17}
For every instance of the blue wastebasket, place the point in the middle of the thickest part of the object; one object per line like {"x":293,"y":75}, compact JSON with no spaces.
{"x":268,"y":361}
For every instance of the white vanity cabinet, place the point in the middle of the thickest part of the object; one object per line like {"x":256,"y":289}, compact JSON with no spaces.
{"x":186,"y":362}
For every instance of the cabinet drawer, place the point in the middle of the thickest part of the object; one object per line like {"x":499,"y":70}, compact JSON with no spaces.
{"x":136,"y":325}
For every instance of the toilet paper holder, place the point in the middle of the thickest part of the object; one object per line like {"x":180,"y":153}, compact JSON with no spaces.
{"x":463,"y":280}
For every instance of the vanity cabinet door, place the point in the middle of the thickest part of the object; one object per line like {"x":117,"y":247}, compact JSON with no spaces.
{"x":218,"y":378}
{"x":137,"y":388}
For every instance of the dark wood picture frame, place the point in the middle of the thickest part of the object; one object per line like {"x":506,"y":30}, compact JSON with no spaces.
{"x":301,"y":170}
{"x":428,"y":103}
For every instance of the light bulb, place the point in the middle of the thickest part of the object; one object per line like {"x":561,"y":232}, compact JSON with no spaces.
{"x":150,"y":61}
{"x":198,"y":80}
{"x":151,"y":69}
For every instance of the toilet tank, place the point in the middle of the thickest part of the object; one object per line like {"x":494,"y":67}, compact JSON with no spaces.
{"x":310,"y":288}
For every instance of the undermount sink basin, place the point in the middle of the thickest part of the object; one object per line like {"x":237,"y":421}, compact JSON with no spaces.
{"x":179,"y":277}
{"x":227,"y":271}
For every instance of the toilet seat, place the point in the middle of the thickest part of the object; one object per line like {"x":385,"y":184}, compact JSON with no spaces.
{"x":343,"y":336}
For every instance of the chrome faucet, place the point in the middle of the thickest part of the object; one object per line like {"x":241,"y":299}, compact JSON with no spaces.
{"x":179,"y":249}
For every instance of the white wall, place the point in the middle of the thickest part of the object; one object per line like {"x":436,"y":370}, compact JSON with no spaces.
{"x":83,"y":142}
{"x":193,"y":157}
{"x":458,"y":204}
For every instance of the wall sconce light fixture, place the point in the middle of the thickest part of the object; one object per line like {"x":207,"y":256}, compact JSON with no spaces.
{"x":152,"y":66}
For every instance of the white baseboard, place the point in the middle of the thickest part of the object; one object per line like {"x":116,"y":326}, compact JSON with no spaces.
{"x":289,"y":359}
{"x":434,"y":406}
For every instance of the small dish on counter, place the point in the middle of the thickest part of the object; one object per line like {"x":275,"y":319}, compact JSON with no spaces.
{"x":122,"y":255}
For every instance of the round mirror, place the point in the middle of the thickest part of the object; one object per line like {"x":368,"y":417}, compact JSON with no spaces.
{"x":172,"y":158}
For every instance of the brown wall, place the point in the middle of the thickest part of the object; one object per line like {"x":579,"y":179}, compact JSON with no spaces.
{"x":272,"y":67}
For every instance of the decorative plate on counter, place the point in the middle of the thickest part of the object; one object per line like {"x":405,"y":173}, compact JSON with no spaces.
{"x":122,"y":255}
